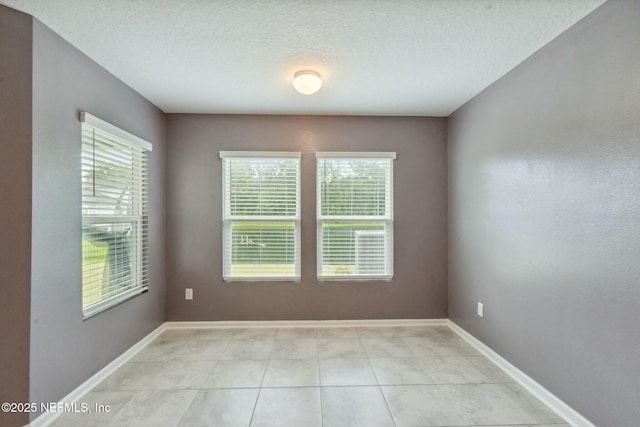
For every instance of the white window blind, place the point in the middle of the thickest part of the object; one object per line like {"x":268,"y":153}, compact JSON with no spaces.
{"x":261,"y":215}
{"x":114,"y":215}
{"x":355,"y":216}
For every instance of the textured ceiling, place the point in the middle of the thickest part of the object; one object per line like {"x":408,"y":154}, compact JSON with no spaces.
{"x":379,"y":57}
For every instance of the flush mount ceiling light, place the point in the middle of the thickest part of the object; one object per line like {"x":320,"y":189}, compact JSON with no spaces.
{"x":307,"y":82}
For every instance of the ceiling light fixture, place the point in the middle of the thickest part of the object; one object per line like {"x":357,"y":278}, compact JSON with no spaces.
{"x":307,"y":82}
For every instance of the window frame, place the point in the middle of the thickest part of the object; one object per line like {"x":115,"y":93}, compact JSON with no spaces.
{"x":139,"y":216}
{"x":229,"y":220}
{"x":386,"y":219}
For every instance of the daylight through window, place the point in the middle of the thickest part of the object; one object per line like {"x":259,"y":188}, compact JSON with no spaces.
{"x":261,"y":215}
{"x":114,"y":215}
{"x":355,"y":215}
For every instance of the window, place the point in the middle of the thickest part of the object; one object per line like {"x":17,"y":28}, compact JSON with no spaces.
{"x":261,"y":215}
{"x":355,"y":215}
{"x":114,"y":215}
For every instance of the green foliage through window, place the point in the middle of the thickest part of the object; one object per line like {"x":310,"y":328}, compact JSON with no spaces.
{"x":261,"y":217}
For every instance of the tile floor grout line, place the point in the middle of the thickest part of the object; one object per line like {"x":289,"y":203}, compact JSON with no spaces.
{"x":184,"y":412}
{"x":268,"y":360}
{"x":393,"y":420}
{"x":112,"y":418}
{"x":255,"y":405}
{"x":319,"y":383}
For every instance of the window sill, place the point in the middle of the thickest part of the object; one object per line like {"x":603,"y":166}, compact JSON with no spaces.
{"x":113,"y":301}
{"x":260,"y":279}
{"x":355,"y":278}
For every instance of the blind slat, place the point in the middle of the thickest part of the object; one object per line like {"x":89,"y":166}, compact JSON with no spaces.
{"x":355,"y":216}
{"x":115,"y":218}
{"x":261,"y":216}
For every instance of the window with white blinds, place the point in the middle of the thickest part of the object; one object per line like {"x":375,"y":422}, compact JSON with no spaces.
{"x":114,"y":215}
{"x":261,"y":215}
{"x":355,"y":216}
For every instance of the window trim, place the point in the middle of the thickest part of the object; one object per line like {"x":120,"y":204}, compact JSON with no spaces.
{"x":141,"y":275}
{"x":367,"y":155}
{"x":261,"y":154}
{"x":114,"y":130}
{"x":227,"y":221}
{"x":321,"y":219}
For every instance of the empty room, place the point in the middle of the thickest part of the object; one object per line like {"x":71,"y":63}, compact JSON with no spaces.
{"x":300,"y":213}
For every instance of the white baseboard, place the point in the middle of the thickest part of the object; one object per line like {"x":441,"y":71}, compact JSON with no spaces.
{"x":552,"y":401}
{"x":303,"y":323}
{"x":47,"y":418}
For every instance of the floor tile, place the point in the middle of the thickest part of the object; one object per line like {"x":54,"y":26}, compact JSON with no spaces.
{"x":386,"y":347}
{"x":294,"y":348}
{"x":531,"y":405}
{"x":444,"y":330}
{"x":337,"y":332}
{"x":336,"y":372}
{"x":179,"y":333}
{"x":154,"y":409}
{"x":216,"y":334}
{"x":421,"y":346}
{"x":423,"y":405}
{"x":289,"y":333}
{"x":395,"y":371}
{"x":288,"y":407}
{"x":378,"y":332}
{"x":432,"y":331}
{"x":181,"y":375}
{"x":248,"y":349}
{"x":252,"y":333}
{"x":488,"y":404}
{"x":452,"y":345}
{"x":455,"y":370}
{"x":490,"y":370}
{"x":221,"y":408}
{"x":204,"y":350}
{"x":354,"y":407}
{"x":419,"y":331}
{"x":370,"y":376}
{"x":236,"y":374}
{"x":111,"y":402}
{"x":340,"y":348}
{"x":454,"y":348}
{"x":163,"y":350}
{"x":158,"y":376}
{"x":129,"y":376}
{"x":292,"y":373}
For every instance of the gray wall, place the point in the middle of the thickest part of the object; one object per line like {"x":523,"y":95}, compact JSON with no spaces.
{"x":15,"y":208}
{"x":65,"y":350}
{"x":194,"y":238}
{"x":544,"y":215}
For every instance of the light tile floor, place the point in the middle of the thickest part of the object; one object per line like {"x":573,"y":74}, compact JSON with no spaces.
{"x":306,"y":377}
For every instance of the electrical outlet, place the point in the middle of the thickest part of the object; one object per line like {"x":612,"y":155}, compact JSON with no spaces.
{"x":480,"y":309}
{"x":188,"y":293}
